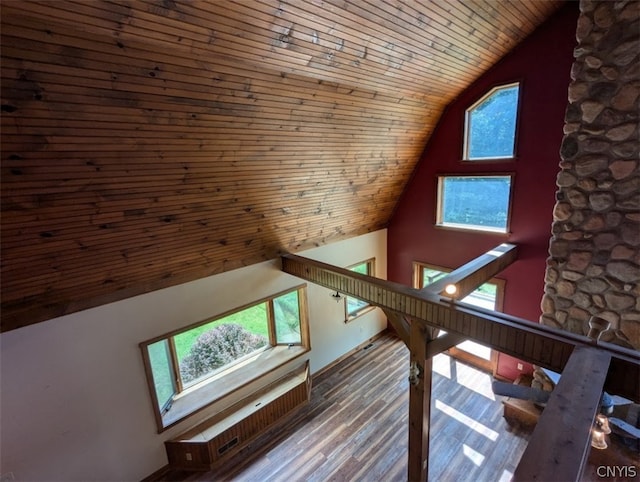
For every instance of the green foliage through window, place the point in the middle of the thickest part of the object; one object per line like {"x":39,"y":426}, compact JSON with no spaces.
{"x":286,"y":310}
{"x":491,"y":125}
{"x":354,"y":305}
{"x":216,"y":348}
{"x":480,"y":202}
{"x":181,"y":360}
{"x":164,"y":383}
{"x":484,"y":296}
{"x":253,"y":319}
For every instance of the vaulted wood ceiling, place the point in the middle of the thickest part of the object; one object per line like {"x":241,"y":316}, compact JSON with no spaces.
{"x":147,"y":143}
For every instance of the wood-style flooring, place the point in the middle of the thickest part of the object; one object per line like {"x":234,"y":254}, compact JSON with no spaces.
{"x":355,"y":428}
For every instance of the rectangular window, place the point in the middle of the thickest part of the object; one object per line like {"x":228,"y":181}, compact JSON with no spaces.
{"x":191,"y":368}
{"x":353,"y":306}
{"x":474,"y":202}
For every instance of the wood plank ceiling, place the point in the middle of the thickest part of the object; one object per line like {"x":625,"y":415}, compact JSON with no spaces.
{"x":147,"y":143}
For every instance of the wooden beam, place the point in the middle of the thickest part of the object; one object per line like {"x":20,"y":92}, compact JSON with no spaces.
{"x":476,"y":272}
{"x":442,"y":343}
{"x":538,"y":344}
{"x":563,"y":433}
{"x":399,"y":324}
{"x":419,"y":404}
{"x":402,"y":327}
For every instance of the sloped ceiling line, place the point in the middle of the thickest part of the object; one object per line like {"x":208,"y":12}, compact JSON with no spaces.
{"x":148,"y":143}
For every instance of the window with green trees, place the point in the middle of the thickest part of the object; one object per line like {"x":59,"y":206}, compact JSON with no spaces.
{"x":354,"y":306}
{"x":474,"y":202}
{"x":490,"y":125}
{"x":183,"y":361}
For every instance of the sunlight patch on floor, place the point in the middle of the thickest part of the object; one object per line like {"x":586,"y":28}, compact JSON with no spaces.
{"x":475,"y":380}
{"x":468,"y":421}
{"x":463,"y":374}
{"x":506,"y":476}
{"x":475,"y":457}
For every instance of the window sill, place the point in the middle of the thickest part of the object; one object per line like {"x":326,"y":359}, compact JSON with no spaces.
{"x":479,"y":229}
{"x":359,"y":313}
{"x":480,"y":160}
{"x":205,"y":393}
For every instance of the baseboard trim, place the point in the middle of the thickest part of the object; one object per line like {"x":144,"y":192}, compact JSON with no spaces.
{"x":158,"y":475}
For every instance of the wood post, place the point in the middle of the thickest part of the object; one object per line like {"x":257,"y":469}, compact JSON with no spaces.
{"x":419,"y":404}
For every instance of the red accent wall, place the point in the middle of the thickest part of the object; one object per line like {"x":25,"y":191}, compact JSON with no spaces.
{"x":542,"y":65}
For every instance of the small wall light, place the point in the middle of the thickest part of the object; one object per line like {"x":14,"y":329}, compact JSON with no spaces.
{"x":336,"y":296}
{"x":451,"y":289}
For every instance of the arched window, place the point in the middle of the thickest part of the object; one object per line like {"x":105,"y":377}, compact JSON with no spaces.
{"x":490,"y":125}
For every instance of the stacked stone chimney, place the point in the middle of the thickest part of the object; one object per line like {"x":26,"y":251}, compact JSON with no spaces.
{"x":594,"y":263}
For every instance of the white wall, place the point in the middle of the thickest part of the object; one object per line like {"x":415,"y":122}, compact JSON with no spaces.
{"x":74,"y":402}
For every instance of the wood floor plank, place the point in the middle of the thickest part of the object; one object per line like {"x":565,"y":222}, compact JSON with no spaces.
{"x":356,"y":427}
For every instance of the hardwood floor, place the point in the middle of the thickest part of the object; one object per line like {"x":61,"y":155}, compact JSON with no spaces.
{"x":355,"y":427}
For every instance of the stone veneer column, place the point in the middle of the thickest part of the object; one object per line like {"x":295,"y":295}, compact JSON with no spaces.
{"x":594,"y":263}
